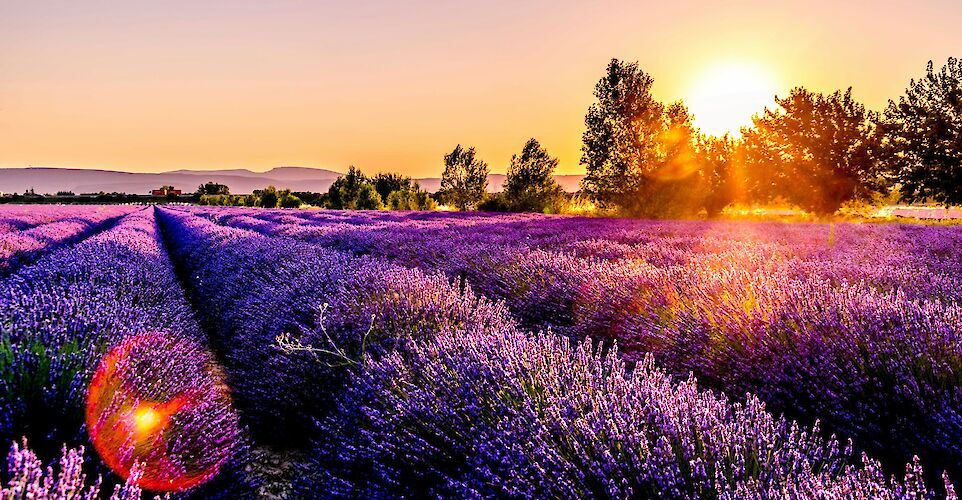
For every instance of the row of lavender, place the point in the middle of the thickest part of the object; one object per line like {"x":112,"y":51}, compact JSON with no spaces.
{"x":410,"y":386}
{"x":921,"y":258}
{"x":27,"y":233}
{"x":252,"y":290}
{"x":22,"y":217}
{"x":66,"y":314}
{"x":858,"y":325}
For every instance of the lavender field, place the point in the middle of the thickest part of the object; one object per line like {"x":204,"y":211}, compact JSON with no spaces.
{"x":212,"y":352}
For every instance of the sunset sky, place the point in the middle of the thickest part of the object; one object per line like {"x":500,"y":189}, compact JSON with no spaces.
{"x":388,"y":85}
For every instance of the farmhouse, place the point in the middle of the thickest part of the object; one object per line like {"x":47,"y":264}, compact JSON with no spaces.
{"x":166,"y":191}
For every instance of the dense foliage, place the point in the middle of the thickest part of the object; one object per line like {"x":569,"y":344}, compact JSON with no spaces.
{"x":818,"y":151}
{"x":639,"y":154}
{"x":354,"y":190}
{"x":529,"y":185}
{"x":464,"y":180}
{"x":924,"y":131}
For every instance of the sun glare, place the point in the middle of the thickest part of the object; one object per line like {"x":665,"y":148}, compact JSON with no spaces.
{"x":147,"y":420}
{"x":725,"y":97}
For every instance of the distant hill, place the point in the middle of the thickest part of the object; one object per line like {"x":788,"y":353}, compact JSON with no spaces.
{"x":240,"y":181}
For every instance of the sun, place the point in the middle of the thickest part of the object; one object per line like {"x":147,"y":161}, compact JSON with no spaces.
{"x":724,"y":97}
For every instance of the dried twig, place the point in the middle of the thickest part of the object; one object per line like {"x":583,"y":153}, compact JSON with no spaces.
{"x":291,"y":345}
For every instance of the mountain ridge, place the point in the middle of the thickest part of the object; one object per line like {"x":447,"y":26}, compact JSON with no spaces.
{"x":239,"y":180}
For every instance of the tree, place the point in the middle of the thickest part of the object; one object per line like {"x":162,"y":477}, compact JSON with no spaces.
{"x":529,"y":185}
{"x":671,"y":184}
{"x":213,"y":200}
{"x":400,"y":192}
{"x":722,"y":171}
{"x":310,"y":198}
{"x":212,"y":189}
{"x":387,"y":183}
{"x":343,"y":193}
{"x":354,"y":190}
{"x":413,"y":198}
{"x":818,"y":151}
{"x":620,"y":133}
{"x":638,"y":153}
{"x":286,"y":199}
{"x":368,"y":199}
{"x":398,"y":200}
{"x":465,"y":179}
{"x":923,"y":135}
{"x":268,"y":197}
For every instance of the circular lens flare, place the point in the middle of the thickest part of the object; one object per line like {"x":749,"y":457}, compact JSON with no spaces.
{"x":160,"y":402}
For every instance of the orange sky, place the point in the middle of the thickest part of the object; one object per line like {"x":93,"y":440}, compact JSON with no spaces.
{"x":389,"y":85}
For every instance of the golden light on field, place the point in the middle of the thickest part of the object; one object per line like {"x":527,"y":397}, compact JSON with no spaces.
{"x":724,"y":97}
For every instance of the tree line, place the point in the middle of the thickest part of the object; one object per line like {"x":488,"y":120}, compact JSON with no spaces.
{"x":351,"y":191}
{"x":645,"y":158}
{"x":529,"y":186}
{"x":212,"y":193}
{"x":817,"y":151}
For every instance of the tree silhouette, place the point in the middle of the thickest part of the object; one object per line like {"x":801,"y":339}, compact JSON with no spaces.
{"x":722,"y":171}
{"x":343,"y":193}
{"x":387,"y":183}
{"x":529,"y":185}
{"x":923,"y":132}
{"x":621,"y":134}
{"x":465,"y":179}
{"x":212,"y":189}
{"x":816,"y":150}
{"x":638,"y":153}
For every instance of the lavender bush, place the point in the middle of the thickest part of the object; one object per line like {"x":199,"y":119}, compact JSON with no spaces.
{"x":31,"y":240}
{"x":857,"y":325}
{"x":481,"y":413}
{"x":28,"y":479}
{"x":62,"y":314}
{"x":254,"y":290}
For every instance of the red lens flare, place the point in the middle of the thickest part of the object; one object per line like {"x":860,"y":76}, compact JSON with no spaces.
{"x":160,"y":401}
